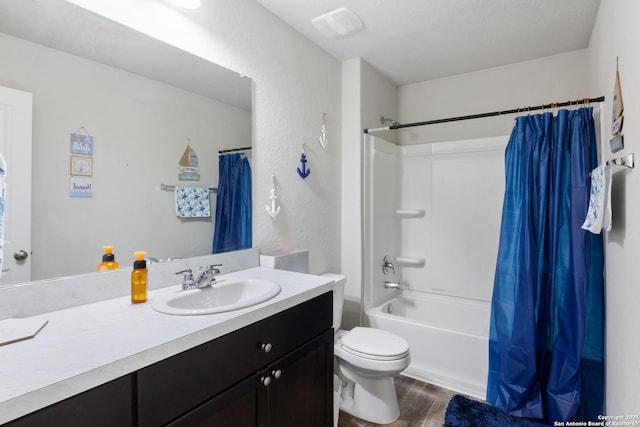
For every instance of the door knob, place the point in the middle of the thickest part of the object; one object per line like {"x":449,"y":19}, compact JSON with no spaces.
{"x":276,"y":373}
{"x":20,"y":255}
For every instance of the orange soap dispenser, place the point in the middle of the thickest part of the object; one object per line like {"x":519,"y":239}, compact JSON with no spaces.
{"x":108,"y":260}
{"x":139,"y":278}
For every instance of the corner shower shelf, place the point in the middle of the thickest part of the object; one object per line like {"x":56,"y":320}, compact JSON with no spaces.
{"x":410,"y":262}
{"x":410,"y":213}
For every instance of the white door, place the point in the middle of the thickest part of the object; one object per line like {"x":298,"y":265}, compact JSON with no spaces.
{"x":15,"y":146}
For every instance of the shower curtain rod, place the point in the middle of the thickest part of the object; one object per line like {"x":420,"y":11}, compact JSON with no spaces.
{"x":233,"y":150}
{"x":495,"y":113}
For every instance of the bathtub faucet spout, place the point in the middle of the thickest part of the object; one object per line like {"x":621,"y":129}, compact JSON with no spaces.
{"x":391,"y":285}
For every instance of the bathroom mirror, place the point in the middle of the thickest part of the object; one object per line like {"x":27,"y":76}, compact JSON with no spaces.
{"x":142,"y":102}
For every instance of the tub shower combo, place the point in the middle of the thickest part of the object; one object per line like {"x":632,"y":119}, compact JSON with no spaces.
{"x":432,"y":221}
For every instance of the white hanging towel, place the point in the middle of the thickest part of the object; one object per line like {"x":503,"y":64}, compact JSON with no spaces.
{"x":192,"y":202}
{"x":3,"y":195}
{"x":599,"y":213}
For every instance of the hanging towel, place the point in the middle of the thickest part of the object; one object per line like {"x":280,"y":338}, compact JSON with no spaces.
{"x":192,"y":202}
{"x":599,"y":213}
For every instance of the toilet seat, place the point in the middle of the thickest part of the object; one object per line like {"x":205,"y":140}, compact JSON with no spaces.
{"x":374,"y":344}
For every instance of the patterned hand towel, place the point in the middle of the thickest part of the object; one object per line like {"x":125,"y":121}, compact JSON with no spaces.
{"x":599,"y":213}
{"x":192,"y":202}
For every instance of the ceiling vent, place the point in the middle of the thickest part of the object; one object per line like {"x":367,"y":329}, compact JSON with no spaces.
{"x":337,"y":23}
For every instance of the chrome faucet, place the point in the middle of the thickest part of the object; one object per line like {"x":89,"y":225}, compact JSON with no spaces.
{"x":387,"y":265}
{"x":206,"y":277}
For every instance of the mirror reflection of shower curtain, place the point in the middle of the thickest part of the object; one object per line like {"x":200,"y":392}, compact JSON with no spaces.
{"x":232,"y":228}
{"x":546,"y":342}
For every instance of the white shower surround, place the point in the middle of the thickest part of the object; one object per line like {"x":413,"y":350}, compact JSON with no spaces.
{"x":435,"y":209}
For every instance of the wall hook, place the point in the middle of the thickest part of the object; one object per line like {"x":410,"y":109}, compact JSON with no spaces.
{"x":303,"y":160}
{"x":273,"y":209}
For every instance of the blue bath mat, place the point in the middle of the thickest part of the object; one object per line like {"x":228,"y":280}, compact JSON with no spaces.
{"x":465,"y":412}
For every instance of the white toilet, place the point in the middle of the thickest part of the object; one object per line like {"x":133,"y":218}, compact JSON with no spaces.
{"x":366,"y":359}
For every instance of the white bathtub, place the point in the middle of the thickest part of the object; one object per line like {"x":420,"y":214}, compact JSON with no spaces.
{"x":447,"y":336}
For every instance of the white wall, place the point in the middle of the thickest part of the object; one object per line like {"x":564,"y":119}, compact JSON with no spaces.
{"x":366,"y":95}
{"x":540,"y":81}
{"x":140,"y":129}
{"x":351,"y":211}
{"x":295,"y":82}
{"x":379,"y":98}
{"x":383,"y":189}
{"x":616,"y":33}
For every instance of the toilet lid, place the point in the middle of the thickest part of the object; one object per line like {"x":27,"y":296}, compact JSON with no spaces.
{"x":375,"y":344}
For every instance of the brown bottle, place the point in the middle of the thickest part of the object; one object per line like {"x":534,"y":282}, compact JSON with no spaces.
{"x":139,"y":279}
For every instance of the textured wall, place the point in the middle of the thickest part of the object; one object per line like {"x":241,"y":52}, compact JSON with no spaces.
{"x":366,"y":95}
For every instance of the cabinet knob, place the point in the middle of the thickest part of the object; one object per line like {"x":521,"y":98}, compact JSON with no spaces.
{"x":276,"y":373}
{"x":265,"y":381}
{"x":266,"y":347}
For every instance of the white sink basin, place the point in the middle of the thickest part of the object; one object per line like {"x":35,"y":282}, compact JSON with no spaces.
{"x":220,"y":297}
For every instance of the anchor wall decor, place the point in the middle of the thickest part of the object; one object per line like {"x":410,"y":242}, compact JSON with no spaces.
{"x":274,"y":209}
{"x":303,"y":160}
{"x":322,"y":139}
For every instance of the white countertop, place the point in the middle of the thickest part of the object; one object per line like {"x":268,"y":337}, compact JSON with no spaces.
{"x":88,"y":345}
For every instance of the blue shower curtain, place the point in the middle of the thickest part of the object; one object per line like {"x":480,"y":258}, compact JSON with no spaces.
{"x":546,"y":341}
{"x":233,"y":204}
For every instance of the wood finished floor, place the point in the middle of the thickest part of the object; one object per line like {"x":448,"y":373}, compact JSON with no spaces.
{"x":421,"y":405}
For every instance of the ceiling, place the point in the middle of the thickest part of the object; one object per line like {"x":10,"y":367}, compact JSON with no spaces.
{"x":410,"y":41}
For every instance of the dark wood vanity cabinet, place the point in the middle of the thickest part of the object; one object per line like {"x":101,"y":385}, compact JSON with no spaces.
{"x":276,"y":372}
{"x":289,"y":392}
{"x":107,"y":405}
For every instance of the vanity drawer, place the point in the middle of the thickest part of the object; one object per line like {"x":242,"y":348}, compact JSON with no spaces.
{"x":176,"y":385}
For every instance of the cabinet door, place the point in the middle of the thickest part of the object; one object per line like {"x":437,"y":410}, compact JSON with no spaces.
{"x":239,"y":406}
{"x":301,"y":390}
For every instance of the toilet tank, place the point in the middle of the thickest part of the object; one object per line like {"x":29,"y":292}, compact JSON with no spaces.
{"x":338,"y":297}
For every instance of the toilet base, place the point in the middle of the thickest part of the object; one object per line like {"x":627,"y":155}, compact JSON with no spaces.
{"x":371,"y":399}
